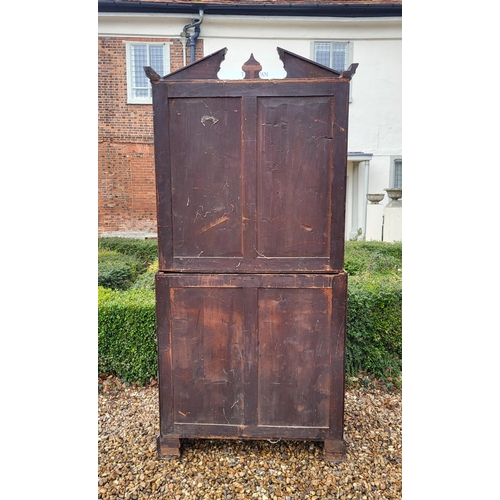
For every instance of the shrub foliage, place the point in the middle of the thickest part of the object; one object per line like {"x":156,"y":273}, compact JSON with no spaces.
{"x":147,"y":279}
{"x":116,"y":270}
{"x":374,"y":325}
{"x":127,"y":334}
{"x":144,"y":251}
{"x":127,"y":321}
{"x":372,"y":257}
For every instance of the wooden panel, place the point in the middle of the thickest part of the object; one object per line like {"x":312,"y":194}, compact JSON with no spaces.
{"x":337,"y":369}
{"x":162,"y":174}
{"x":256,"y":88}
{"x":294,"y":357}
{"x":251,"y":184}
{"x":252,"y":350}
{"x":341,"y":116}
{"x":294,"y":176}
{"x":208,"y":355}
{"x":205,"y":155}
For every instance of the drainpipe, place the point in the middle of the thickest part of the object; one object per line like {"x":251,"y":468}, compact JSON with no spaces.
{"x":184,"y":37}
{"x":192,"y":41}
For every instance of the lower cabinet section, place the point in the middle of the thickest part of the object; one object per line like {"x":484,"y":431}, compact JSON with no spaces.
{"x":251,"y":357}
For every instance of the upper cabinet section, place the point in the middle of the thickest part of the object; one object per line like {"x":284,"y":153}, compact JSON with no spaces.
{"x":250,"y":174}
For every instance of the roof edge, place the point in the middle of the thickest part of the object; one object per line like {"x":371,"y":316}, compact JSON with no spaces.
{"x":311,"y":10}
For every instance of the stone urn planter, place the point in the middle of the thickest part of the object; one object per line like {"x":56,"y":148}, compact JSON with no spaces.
{"x":375,"y":198}
{"x":394,"y":195}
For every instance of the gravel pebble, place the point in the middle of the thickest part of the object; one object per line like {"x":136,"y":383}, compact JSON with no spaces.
{"x":235,"y":469}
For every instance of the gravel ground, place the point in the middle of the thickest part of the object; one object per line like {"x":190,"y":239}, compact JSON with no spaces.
{"x":235,"y":469}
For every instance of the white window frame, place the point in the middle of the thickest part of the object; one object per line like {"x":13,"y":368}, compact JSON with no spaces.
{"x":392,"y":173}
{"x":166,"y":63}
{"x":349,"y":55}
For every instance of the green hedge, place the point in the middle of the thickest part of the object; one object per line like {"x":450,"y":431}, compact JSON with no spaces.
{"x":127,"y":334}
{"x":147,"y":279}
{"x":116,"y":270}
{"x":374,"y":326}
{"x":127,"y":322}
{"x":144,"y":251}
{"x":373,"y":257}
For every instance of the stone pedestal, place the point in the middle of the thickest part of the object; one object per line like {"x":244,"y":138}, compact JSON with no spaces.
{"x":374,"y":221}
{"x":374,"y":217}
{"x":393,"y":215}
{"x":393,"y":223}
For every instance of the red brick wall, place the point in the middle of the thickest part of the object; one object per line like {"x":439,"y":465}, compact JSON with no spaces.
{"x":127,"y":198}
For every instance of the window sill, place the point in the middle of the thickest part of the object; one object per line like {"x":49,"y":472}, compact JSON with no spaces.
{"x":142,"y":101}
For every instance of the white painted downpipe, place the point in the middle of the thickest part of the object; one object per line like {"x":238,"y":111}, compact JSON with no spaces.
{"x":184,"y":43}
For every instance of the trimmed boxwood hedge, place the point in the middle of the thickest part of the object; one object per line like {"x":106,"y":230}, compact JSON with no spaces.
{"x":143,"y":251}
{"x":373,"y":257}
{"x":127,"y":321}
{"x":127,"y":334}
{"x":116,"y":270}
{"x":374,"y":326}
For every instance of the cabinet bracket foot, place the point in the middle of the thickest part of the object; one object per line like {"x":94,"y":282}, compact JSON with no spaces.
{"x":168,"y":447}
{"x":334,"y":450}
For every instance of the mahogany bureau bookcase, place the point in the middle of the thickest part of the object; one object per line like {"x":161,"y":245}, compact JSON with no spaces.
{"x":251,"y":291}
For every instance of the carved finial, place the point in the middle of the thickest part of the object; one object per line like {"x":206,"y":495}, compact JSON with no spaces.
{"x":251,"y":68}
{"x":151,"y":74}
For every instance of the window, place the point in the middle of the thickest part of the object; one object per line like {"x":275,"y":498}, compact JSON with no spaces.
{"x":396,"y":174}
{"x":139,"y":55}
{"x":335,"y":55}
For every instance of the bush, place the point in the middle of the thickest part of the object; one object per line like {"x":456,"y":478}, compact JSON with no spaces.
{"x":127,"y":334}
{"x":373,"y":257}
{"x":374,"y":325}
{"x":144,"y":251}
{"x":115,"y":270}
{"x":147,"y":279}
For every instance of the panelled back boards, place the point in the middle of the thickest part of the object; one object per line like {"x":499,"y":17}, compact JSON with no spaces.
{"x":251,"y":291}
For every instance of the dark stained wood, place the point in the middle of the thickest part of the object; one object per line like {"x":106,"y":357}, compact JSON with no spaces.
{"x":339,"y":157}
{"x":253,"y":356}
{"x":251,"y":68}
{"x":152,"y":74}
{"x":163,"y":181}
{"x":294,"y":357}
{"x":252,"y":183}
{"x":349,"y":72}
{"x":337,"y":362}
{"x":334,"y":450}
{"x":208,"y":342}
{"x":207,"y":178}
{"x":294,"y":176}
{"x":251,"y":291}
{"x":168,"y":447}
{"x":254,"y":88}
{"x":249,"y":176}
